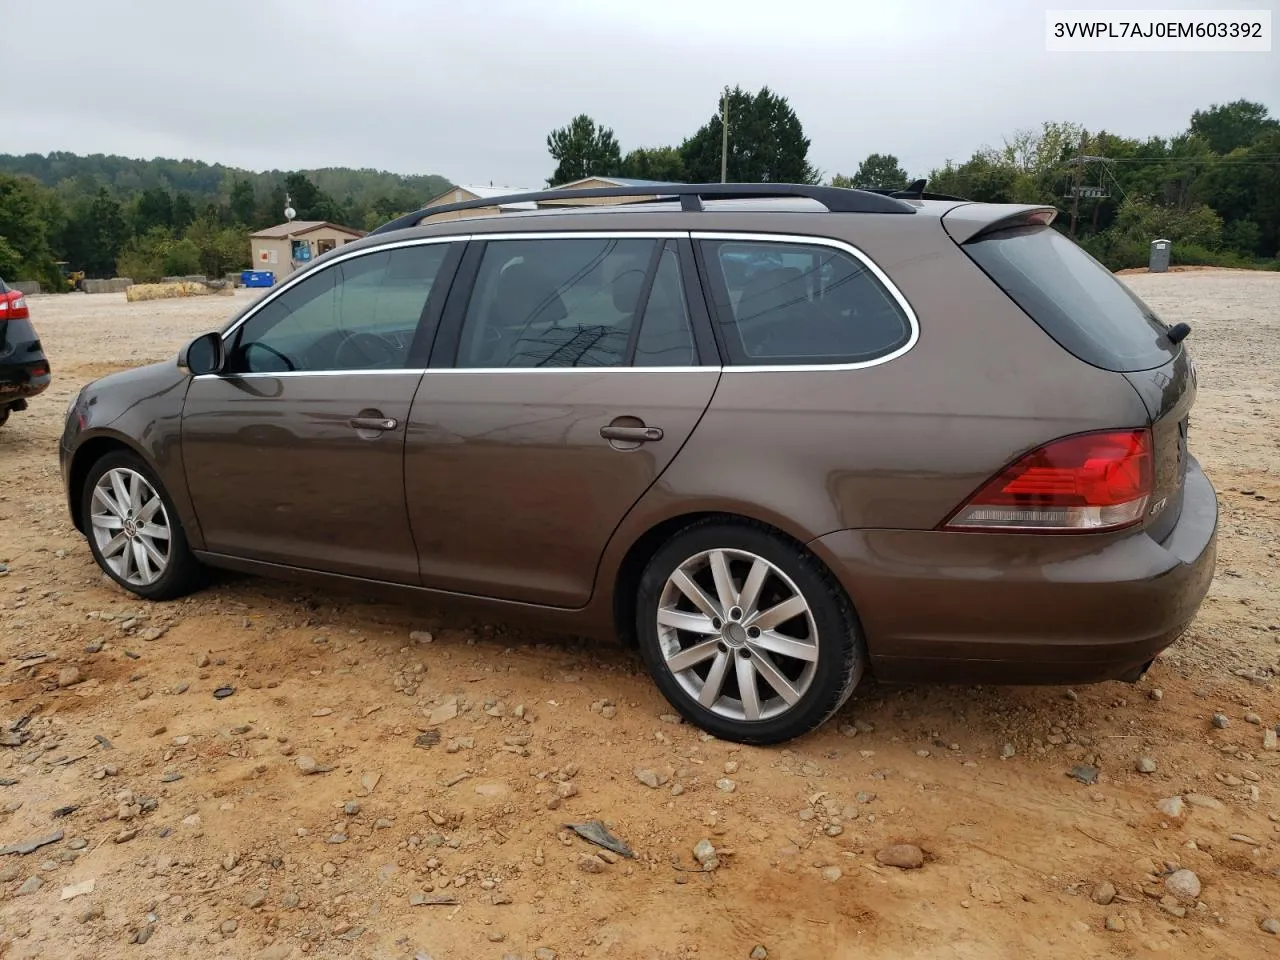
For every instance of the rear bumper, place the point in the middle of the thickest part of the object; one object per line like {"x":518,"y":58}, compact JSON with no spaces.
{"x":996,"y":608}
{"x":22,"y":381}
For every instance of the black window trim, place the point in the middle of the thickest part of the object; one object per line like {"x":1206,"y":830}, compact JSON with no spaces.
{"x":711,"y":279}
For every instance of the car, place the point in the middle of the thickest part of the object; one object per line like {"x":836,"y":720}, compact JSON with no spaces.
{"x":24,"y":369}
{"x":778,"y":436}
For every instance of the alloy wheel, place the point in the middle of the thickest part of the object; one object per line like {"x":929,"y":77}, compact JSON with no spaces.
{"x":737,"y":634}
{"x":130,"y":526}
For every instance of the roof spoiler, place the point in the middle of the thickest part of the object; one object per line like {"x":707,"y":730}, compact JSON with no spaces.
{"x":691,"y":195}
{"x":973,"y":220}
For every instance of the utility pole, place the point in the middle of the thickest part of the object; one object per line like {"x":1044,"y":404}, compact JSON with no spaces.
{"x":1075,"y":201}
{"x":724,"y":136}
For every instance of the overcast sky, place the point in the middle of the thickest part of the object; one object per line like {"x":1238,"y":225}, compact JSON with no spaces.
{"x":469,"y":90}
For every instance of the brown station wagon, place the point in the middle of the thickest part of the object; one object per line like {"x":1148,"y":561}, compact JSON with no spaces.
{"x":776,"y":435}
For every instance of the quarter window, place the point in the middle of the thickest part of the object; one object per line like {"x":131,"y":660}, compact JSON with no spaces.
{"x":360,"y":314}
{"x":562,"y":302}
{"x":790,"y":303}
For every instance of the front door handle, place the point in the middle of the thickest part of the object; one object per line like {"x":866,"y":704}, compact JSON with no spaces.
{"x":632,"y":434}
{"x":380,"y":424}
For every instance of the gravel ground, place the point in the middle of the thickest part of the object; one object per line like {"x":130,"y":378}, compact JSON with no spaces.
{"x":394,"y":782}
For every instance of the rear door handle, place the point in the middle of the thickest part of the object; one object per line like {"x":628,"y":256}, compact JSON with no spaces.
{"x":373,"y":423}
{"x":632,"y":434}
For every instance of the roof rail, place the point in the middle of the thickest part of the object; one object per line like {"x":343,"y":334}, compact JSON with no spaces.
{"x":835,"y":199}
{"x":913,"y":191}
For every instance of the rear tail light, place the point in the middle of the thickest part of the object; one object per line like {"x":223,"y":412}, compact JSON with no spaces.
{"x":13,"y":308}
{"x":1080,"y":484}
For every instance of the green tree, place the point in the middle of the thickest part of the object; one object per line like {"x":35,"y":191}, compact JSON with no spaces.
{"x":310,"y":201}
{"x":980,"y":179}
{"x":154,"y":208}
{"x":219,"y":249}
{"x":582,"y":149}
{"x":766,"y":143}
{"x":184,"y":212}
{"x":1144,"y":221}
{"x":243,"y":202}
{"x":878,"y":170}
{"x":654,"y":163}
{"x":23,"y":230}
{"x":10,"y":260}
{"x":271,"y":209}
{"x":181,"y":259}
{"x":1225,"y":127}
{"x":96,"y":233}
{"x":143,"y":258}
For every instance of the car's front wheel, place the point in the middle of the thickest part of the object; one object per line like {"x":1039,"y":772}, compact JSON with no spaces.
{"x":746,"y":633}
{"x":133,"y":529}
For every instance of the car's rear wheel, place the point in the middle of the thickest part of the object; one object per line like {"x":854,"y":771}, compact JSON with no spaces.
{"x":746,"y":633}
{"x":133,"y":529}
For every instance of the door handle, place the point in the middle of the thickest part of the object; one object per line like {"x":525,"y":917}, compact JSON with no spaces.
{"x":632,"y":434}
{"x":373,"y":423}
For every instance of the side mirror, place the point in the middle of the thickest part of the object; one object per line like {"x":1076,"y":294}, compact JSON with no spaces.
{"x":203,"y":355}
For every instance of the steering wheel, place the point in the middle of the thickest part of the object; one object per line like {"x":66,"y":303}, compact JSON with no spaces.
{"x":362,"y":350}
{"x":259,"y":345}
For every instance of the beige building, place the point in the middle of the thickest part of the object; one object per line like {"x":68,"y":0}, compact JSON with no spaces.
{"x":288,"y":246}
{"x":593,"y":183}
{"x":465,"y":194}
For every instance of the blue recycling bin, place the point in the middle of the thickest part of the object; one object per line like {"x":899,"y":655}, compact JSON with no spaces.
{"x":258,"y":278}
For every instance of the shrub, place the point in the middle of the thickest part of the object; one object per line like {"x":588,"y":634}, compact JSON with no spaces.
{"x":181,"y":259}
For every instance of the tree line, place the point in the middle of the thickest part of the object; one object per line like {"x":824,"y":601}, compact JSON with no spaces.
{"x":111,"y":215}
{"x":1213,"y":189}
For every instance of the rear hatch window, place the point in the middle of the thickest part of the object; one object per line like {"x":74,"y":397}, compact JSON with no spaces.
{"x":1074,"y":298}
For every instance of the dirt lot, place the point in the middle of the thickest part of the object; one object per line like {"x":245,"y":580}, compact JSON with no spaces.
{"x":202,"y":836}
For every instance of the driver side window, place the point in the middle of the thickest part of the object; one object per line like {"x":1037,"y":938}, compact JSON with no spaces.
{"x":359,"y":314}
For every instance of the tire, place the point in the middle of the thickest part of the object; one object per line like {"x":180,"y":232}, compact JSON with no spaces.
{"x":4,"y":416}
{"x":180,"y":573}
{"x":818,"y":651}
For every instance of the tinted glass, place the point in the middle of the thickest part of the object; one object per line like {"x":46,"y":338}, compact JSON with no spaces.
{"x":564,"y":302}
{"x":1074,"y":298}
{"x":666,"y":333}
{"x":787,"y":303}
{"x":360,"y":314}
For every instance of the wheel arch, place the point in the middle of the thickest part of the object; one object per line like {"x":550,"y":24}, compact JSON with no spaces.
{"x":626,"y":576}
{"x":88,"y":453}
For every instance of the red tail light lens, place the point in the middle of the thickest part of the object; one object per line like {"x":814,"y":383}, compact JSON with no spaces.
{"x":1080,"y":484}
{"x":13,"y":306}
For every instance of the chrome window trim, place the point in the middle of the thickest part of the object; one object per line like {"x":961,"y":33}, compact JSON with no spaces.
{"x":300,"y":275}
{"x":419,"y":371}
{"x":732,"y":236}
{"x":259,"y":374}
{"x":912,"y":321}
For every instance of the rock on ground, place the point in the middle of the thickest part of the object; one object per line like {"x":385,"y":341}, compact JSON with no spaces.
{"x":905,"y":856}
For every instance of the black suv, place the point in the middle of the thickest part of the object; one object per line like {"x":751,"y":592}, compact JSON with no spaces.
{"x":24,"y":370}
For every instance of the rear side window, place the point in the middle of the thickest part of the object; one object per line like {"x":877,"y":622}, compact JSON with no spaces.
{"x":792,"y":303}
{"x":1074,"y":298}
{"x":666,"y":333}
{"x":564,"y":302}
